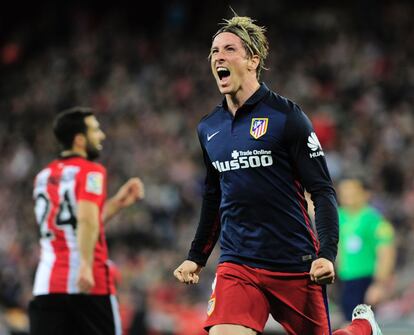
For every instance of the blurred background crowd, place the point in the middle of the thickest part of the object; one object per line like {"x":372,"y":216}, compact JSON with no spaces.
{"x":350,"y":66}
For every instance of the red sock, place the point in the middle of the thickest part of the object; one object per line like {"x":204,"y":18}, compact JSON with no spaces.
{"x":357,"y":327}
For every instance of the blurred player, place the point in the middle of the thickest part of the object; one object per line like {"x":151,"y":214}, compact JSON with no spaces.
{"x":364,"y":235}
{"x":261,"y":153}
{"x":74,"y":292}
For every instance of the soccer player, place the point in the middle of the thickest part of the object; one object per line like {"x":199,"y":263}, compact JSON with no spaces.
{"x":74,"y":292}
{"x":364,"y":235}
{"x":261,"y":153}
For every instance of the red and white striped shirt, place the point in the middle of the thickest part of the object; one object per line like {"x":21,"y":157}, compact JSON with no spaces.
{"x":57,"y":190}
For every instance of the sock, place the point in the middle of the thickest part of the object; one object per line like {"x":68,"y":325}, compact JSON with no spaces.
{"x":357,"y":327}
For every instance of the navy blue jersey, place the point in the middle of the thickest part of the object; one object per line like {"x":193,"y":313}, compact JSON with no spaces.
{"x":259,"y":163}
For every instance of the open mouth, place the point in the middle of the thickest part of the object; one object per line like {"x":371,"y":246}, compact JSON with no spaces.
{"x":223,"y":72}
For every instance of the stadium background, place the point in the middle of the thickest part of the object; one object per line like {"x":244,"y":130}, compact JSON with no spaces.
{"x":350,"y":66}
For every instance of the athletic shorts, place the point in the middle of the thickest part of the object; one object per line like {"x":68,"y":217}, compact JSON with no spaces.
{"x":74,"y":314}
{"x":245,"y":296}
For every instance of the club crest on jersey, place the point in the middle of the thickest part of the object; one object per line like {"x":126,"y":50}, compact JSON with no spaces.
{"x":258,"y":127}
{"x":94,"y":183}
{"x":211,"y":305}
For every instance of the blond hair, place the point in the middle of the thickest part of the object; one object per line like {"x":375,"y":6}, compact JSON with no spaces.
{"x":252,"y":36}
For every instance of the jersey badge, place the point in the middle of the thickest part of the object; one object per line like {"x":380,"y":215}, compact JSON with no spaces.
{"x":259,"y":127}
{"x":210,"y":306}
{"x":94,"y":183}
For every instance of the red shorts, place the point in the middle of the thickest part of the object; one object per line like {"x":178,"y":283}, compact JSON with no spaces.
{"x":245,"y":296}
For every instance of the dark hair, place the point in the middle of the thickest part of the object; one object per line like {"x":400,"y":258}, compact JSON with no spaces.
{"x":363,"y":180}
{"x":69,"y":123}
{"x":253,"y":37}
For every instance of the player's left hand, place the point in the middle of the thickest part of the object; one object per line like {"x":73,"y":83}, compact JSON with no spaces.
{"x":85,"y":280}
{"x":130,"y":192}
{"x":322,"y":271}
{"x":377,"y":293}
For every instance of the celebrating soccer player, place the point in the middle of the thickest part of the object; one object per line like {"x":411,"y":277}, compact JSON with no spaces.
{"x":261,"y":153}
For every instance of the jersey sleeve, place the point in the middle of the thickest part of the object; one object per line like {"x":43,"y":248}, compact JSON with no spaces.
{"x":92,"y":184}
{"x":208,"y":229}
{"x":384,"y":233}
{"x":310,"y":166}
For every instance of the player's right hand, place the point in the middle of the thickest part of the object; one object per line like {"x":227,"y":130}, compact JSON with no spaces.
{"x":188,"y":272}
{"x":322,"y":271}
{"x":130,"y":192}
{"x":85,"y":278}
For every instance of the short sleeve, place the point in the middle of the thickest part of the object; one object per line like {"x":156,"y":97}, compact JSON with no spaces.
{"x":384,"y":233}
{"x":92,"y":184}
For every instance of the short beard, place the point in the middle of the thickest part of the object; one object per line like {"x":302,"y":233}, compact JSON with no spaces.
{"x":92,"y":153}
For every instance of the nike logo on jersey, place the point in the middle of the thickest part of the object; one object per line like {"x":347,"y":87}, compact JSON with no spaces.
{"x":209,"y":137}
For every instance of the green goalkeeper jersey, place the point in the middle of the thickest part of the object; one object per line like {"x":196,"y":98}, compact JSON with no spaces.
{"x":360,"y":234}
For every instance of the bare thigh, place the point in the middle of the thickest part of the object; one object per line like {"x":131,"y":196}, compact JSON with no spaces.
{"x":231,"y":330}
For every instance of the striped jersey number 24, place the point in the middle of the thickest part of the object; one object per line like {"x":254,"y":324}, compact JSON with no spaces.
{"x":65,"y":216}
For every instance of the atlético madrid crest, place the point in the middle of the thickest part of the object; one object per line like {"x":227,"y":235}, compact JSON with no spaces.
{"x":259,"y":127}
{"x":211,"y":306}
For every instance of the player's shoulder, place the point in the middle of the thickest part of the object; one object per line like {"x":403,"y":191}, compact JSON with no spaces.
{"x":44,"y":173}
{"x":210,"y":119}
{"x":49,"y":167}
{"x":295,"y":120}
{"x":93,"y":176}
{"x":84,"y":164}
{"x":377,"y":222}
{"x":212,"y":115}
{"x":371,"y":216}
{"x":93,"y":166}
{"x":282,"y":104}
{"x":372,"y":212}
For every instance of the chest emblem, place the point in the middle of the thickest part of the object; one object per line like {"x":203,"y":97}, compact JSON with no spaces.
{"x":259,"y":127}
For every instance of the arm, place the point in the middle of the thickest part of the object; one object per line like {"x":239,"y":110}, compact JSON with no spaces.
{"x":208,"y":229}
{"x":381,"y":286}
{"x":129,"y":193}
{"x":87,"y":235}
{"x":386,"y":260}
{"x":206,"y":236}
{"x":309,"y":162}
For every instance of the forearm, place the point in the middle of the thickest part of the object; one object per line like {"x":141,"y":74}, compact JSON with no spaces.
{"x":209,"y":225}
{"x":382,"y":284}
{"x":128,"y":194}
{"x":385,"y":264}
{"x":207,"y":232}
{"x":326,"y":217}
{"x":111,"y":207}
{"x":87,"y":230}
{"x":87,"y":236}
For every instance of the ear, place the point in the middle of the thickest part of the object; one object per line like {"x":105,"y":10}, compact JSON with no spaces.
{"x":79,"y":141}
{"x":253,"y":62}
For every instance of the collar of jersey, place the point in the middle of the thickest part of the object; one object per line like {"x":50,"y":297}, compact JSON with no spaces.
{"x":253,"y":100}
{"x":70,"y":156}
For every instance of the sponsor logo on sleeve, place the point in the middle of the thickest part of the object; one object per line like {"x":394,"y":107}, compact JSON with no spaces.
{"x":94,"y":183}
{"x":315,"y":146}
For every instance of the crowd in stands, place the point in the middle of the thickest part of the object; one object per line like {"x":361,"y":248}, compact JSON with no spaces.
{"x":350,"y":68}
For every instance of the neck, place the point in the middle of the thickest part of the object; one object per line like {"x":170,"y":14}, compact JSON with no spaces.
{"x":74,"y":152}
{"x":355,"y":208}
{"x":237,"y":99}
